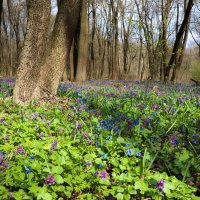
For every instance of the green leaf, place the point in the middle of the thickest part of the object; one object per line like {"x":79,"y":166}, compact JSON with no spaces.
{"x":119,"y":196}
{"x":57,"y":170}
{"x":58,"y":179}
{"x":131,"y":189}
{"x":104,"y":182}
{"x":141,"y":185}
{"x":120,"y":140}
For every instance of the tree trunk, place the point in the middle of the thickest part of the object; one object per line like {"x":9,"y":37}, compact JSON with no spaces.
{"x":39,"y":13}
{"x":1,"y":10}
{"x":59,"y":46}
{"x":178,"y":40}
{"x":183,"y":47}
{"x":82,"y":44}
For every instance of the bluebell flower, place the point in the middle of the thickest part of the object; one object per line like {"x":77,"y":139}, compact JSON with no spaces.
{"x":195,"y":135}
{"x":135,"y":122}
{"x":28,"y":171}
{"x":127,"y":145}
{"x":116,"y":129}
{"x":195,"y":141}
{"x":109,"y":137}
{"x":138,"y":154}
{"x":129,"y":152}
{"x":100,"y":165}
{"x":2,"y":153}
{"x":104,"y":156}
{"x":29,"y":167}
{"x":32,"y":157}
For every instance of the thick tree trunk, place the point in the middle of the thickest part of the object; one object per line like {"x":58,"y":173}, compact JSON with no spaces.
{"x":58,"y":49}
{"x":82,"y":45}
{"x":39,"y":13}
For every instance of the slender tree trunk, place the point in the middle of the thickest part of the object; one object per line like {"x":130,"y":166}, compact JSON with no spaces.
{"x":115,"y":70}
{"x":178,"y":40}
{"x":1,"y":10}
{"x":183,"y":47}
{"x":82,"y":44}
{"x":39,"y":13}
{"x":1,"y":55}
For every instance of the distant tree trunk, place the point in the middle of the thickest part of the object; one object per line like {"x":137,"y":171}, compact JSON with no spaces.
{"x":115,"y":70}
{"x":39,"y":13}
{"x":92,"y":55}
{"x":177,"y":43}
{"x":82,"y":44}
{"x":165,"y":16}
{"x":1,"y":10}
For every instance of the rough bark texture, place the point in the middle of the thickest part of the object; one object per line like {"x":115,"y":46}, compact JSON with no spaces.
{"x":58,"y":49}
{"x":39,"y":13}
{"x":178,"y":40}
{"x":82,"y":44}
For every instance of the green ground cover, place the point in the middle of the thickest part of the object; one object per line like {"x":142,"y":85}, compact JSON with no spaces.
{"x":102,"y":140}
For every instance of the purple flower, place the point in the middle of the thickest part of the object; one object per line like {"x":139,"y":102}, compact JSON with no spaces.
{"x":129,"y":123}
{"x":98,"y":112}
{"x":146,"y":122}
{"x":20,"y":150}
{"x":49,"y":180}
{"x":89,"y":163}
{"x":173,"y":140}
{"x":61,"y":130}
{"x":4,"y":164}
{"x":85,"y":134}
{"x":97,"y":173}
{"x":103,"y":174}
{"x":160,"y":185}
{"x":5,"y":137}
{"x":155,"y":107}
{"x":41,"y":135}
{"x":54,"y":145}
{"x":89,"y":142}
{"x":34,"y":116}
{"x":79,"y":126}
{"x":11,"y":196}
{"x":1,"y":159}
{"x":2,"y":119}
{"x":71,"y":115}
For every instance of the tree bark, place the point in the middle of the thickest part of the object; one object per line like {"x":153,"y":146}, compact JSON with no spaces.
{"x":58,"y":49}
{"x":39,"y":13}
{"x":1,"y":10}
{"x":178,"y":40}
{"x":82,"y":44}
